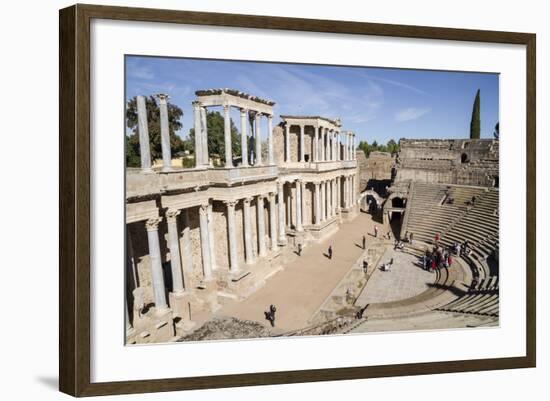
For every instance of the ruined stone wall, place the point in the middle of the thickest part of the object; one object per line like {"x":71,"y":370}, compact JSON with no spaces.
{"x":449,"y":161}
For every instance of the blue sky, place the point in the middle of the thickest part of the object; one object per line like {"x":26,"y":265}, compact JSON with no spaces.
{"x":376,"y":103}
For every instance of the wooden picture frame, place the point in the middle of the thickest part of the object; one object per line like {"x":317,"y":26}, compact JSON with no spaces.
{"x":75,"y":208}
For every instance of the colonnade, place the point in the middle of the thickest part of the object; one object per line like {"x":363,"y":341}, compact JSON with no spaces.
{"x":329,"y":144}
{"x":249,"y":156}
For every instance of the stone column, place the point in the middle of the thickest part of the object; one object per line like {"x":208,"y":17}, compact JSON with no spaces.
{"x":282,"y":223}
{"x":244,"y":137}
{"x":260,"y":212}
{"x":270,"y":158}
{"x":143,"y":130}
{"x":338,"y":195}
{"x":323,"y":201}
{"x":287,"y":142}
{"x":329,"y":199}
{"x":164,"y":133}
{"x":273,"y":221}
{"x":227,"y":136}
{"x":258,"y":132}
{"x":315,"y":156}
{"x":331,"y":145}
{"x":249,"y":253}
{"x":157,"y":275}
{"x":302,"y":147}
{"x":187,"y":254}
{"x":210,"y":215}
{"x":232,"y":236}
{"x":198,"y":134}
{"x":178,"y":284}
{"x":337,"y":145}
{"x":334,"y":198}
{"x":204,"y":137}
{"x":205,"y":242}
{"x":323,"y":137}
{"x":327,"y":147}
{"x":299,"y":226}
{"x":317,"y":204}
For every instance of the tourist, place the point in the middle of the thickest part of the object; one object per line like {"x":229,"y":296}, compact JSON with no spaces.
{"x":437,"y":238}
{"x":300,"y":249}
{"x":391,"y":262}
{"x":389,"y":234}
{"x":407,"y":236}
{"x":411,"y":238}
{"x":270,"y":315}
{"x":375,"y":231}
{"x":330,"y":252}
{"x":364,"y":242}
{"x":433,"y":265}
{"x":365,"y":266}
{"x":449,"y":260}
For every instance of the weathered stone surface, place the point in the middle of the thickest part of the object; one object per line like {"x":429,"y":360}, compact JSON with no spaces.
{"x":228,"y":328}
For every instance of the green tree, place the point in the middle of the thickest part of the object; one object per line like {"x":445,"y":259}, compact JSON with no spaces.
{"x":392,"y":147}
{"x":475,"y":124}
{"x":132,"y":156}
{"x":496,"y":132}
{"x":153,"y":123}
{"x":216,"y":138}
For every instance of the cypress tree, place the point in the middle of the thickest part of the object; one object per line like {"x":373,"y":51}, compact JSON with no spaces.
{"x":475,"y":124}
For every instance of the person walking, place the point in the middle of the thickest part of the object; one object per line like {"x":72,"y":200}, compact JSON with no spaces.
{"x":300,"y":249}
{"x":330,"y":252}
{"x":375,"y":231}
{"x":364,"y":242}
{"x":270,"y":315}
{"x":411,"y":238}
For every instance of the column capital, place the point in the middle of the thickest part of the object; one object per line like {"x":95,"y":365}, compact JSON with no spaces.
{"x":226,"y":107}
{"x":196,"y":104}
{"x":243,"y":111}
{"x":247,"y":200}
{"x":162,"y":97}
{"x":257,"y":115}
{"x":272,"y":196}
{"x":231,"y":203}
{"x":261,"y":197}
{"x":203,"y":209}
{"x":172,"y":214}
{"x":269,"y":116}
{"x":153,"y":223}
{"x":280,"y":185}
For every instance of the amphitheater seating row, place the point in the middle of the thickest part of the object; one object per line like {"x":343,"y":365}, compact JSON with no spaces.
{"x":482,"y":300}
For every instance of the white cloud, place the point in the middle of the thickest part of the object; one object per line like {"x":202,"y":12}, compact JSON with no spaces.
{"x":138,"y":72}
{"x":411,"y":113}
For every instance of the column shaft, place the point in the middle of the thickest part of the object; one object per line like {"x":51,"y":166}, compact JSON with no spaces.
{"x":204,"y":138}
{"x":317,"y":204}
{"x":178,"y":284}
{"x":210,"y":215}
{"x":232,"y":236}
{"x":323,"y":197}
{"x":165,"y":133}
{"x":261,"y":225}
{"x":205,"y":242}
{"x":270,"y":158}
{"x":244,"y":137}
{"x":282,"y":212}
{"x":157,"y":274}
{"x":273,"y":221}
{"x":198,"y":134}
{"x":143,"y":130}
{"x":302,"y":144}
{"x":316,"y":144}
{"x":249,"y":254}
{"x":299,"y":226}
{"x":258,"y":129}
{"x":227,"y":136}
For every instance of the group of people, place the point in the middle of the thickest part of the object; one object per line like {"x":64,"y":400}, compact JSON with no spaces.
{"x":463,"y":249}
{"x":437,"y":258}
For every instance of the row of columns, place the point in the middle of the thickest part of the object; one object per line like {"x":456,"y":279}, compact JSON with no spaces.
{"x":143,"y":132}
{"x":249,"y":157}
{"x":327,"y":144}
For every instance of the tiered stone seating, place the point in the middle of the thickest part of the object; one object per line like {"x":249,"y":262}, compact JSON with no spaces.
{"x":429,"y":214}
{"x":480,"y":226}
{"x":482,"y":300}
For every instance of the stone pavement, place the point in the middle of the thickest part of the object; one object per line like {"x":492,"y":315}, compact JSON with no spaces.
{"x":300,"y":289}
{"x":405,"y":280}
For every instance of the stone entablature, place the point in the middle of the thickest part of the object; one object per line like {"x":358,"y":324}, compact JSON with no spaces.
{"x":314,"y":121}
